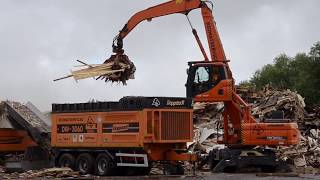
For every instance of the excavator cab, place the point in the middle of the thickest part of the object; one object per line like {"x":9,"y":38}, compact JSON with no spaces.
{"x":206,"y":77}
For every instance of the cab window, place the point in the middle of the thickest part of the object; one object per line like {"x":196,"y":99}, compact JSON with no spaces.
{"x":202,"y":75}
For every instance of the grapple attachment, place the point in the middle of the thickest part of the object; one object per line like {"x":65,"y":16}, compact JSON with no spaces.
{"x":121,"y":69}
{"x":118,"y":68}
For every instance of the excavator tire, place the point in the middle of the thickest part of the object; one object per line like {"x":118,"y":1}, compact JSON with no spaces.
{"x":173,"y":169}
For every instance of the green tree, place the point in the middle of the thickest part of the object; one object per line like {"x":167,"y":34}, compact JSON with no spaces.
{"x":247,"y":84}
{"x":300,"y":73}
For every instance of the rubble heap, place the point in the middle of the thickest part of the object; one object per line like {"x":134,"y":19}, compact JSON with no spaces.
{"x":291,"y":103}
{"x":207,"y":115}
{"x":307,"y":153}
{"x":208,"y":125}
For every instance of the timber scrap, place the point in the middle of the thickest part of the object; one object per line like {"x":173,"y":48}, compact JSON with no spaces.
{"x":118,"y":68}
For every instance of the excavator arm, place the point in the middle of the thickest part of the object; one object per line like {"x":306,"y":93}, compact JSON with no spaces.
{"x":173,"y":7}
{"x":211,"y":80}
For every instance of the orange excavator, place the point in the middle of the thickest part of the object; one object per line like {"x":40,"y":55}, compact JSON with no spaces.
{"x":210,"y":80}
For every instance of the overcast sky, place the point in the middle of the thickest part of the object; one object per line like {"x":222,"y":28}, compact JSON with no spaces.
{"x":40,"y":41}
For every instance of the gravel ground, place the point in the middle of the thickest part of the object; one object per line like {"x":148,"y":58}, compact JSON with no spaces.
{"x":208,"y":176}
{"x":221,"y":177}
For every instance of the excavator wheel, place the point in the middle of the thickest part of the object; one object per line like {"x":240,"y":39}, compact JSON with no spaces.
{"x":145,"y":170}
{"x":66,"y":160}
{"x":268,"y":169}
{"x":173,"y":169}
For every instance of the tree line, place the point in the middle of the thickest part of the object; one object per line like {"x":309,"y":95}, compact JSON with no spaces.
{"x":300,"y":73}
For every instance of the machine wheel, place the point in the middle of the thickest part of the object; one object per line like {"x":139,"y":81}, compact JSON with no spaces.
{"x":138,"y":171}
{"x":211,"y":160}
{"x":66,"y":160}
{"x":268,"y":169}
{"x":84,"y":163}
{"x":173,"y":169}
{"x":103,"y":165}
{"x":144,"y":171}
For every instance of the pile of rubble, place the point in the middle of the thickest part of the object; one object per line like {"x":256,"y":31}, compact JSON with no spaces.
{"x":291,"y":103}
{"x":208,"y":124}
{"x":307,"y":153}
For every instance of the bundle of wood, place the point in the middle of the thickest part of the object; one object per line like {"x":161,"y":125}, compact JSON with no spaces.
{"x":118,"y":68}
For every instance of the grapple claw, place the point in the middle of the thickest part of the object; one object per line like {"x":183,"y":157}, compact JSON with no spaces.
{"x":123,"y":68}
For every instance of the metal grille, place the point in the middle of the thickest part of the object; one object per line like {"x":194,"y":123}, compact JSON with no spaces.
{"x":149,"y":122}
{"x":175,"y":125}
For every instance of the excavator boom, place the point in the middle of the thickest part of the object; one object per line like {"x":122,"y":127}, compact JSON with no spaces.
{"x":174,"y":7}
{"x":210,"y":80}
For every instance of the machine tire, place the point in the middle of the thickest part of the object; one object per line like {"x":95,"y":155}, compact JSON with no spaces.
{"x":268,"y":169}
{"x":145,"y":170}
{"x":103,"y":165}
{"x":211,"y":160}
{"x":66,"y":160}
{"x":84,"y":163}
{"x":138,"y":171}
{"x":173,"y":169}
